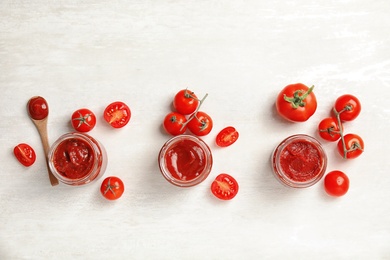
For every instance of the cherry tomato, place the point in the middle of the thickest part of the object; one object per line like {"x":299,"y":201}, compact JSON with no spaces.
{"x":25,"y":154}
{"x":117,"y":114}
{"x":348,"y":106}
{"x":185,"y":102}
{"x":83,"y":120}
{"x":173,"y":123}
{"x":38,"y":108}
{"x":329,"y":129}
{"x":224,"y":187}
{"x":112,"y":188}
{"x":354,"y":146}
{"x":336,"y":183}
{"x":201,"y":124}
{"x":227,"y":136}
{"x":296,"y":102}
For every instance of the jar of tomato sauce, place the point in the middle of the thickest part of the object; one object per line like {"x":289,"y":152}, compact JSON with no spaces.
{"x":185,"y":160}
{"x":77,"y":159}
{"x":299,"y":161}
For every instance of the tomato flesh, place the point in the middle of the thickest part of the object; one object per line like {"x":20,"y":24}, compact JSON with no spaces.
{"x":227,"y":136}
{"x":25,"y":154}
{"x":117,"y":114}
{"x":224,"y":187}
{"x":112,"y":188}
{"x":336,"y":183}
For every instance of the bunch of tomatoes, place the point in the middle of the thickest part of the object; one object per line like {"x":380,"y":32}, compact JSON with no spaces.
{"x":186,"y":116}
{"x":297,"y":103}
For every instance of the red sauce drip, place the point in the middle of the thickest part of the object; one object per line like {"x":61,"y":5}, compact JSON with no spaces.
{"x":38,"y":108}
{"x":185,"y":160}
{"x":300,"y":161}
{"x":73,"y":158}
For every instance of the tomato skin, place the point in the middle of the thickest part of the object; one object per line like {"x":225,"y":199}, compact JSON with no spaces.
{"x":83,"y":120}
{"x":112,"y":188}
{"x":25,"y":154}
{"x":201,"y":124}
{"x":226,"y":137}
{"x":38,"y":108}
{"x":224,"y":187}
{"x":117,"y":114}
{"x":336,"y":183}
{"x":185,"y":102}
{"x":329,"y":129}
{"x":302,"y":96}
{"x":348,"y":106}
{"x":173,"y":123}
{"x":354,"y":145}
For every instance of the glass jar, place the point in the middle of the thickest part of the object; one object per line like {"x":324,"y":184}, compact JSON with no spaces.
{"x":185,"y":160}
{"x":77,"y":159}
{"x":299,"y":161}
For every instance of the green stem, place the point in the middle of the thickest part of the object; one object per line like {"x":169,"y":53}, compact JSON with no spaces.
{"x":298,"y":100}
{"x":337,"y":114}
{"x":196,"y":111}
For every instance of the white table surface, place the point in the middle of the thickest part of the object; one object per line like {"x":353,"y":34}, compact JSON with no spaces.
{"x":242,"y":53}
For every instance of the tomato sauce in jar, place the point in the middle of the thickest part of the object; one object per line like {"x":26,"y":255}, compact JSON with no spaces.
{"x":77,"y":159}
{"x":299,"y":161}
{"x":185,"y":160}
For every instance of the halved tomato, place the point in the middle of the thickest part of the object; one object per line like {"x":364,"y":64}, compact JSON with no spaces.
{"x":227,"y":136}
{"x":224,"y":187}
{"x":25,"y":154}
{"x":117,"y":114}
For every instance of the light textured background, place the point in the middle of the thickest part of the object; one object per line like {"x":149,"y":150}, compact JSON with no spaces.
{"x":91,"y":53}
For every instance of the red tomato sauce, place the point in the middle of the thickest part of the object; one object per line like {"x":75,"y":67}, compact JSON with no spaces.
{"x":301,"y":161}
{"x":73,"y":158}
{"x":185,"y":160}
{"x":38,"y":108}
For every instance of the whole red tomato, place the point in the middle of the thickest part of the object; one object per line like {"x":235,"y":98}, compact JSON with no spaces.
{"x":354,"y":146}
{"x":174,"y":123}
{"x":224,"y":187}
{"x":185,"y":102}
{"x":296,"y":102}
{"x":329,"y":129}
{"x":112,"y":188}
{"x":348,"y":107}
{"x":336,"y":183}
{"x":25,"y":154}
{"x":117,"y":114}
{"x":83,"y":120}
{"x":201,"y":124}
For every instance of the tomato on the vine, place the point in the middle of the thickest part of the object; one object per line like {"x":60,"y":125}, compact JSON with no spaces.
{"x":117,"y":114}
{"x":329,"y":129}
{"x":112,"y":188}
{"x":201,"y":124}
{"x":348,"y":107}
{"x":296,"y":102}
{"x":224,"y":187}
{"x":83,"y":120}
{"x":174,"y":123}
{"x":227,"y":136}
{"x":354,"y":146}
{"x":25,"y":154}
{"x":185,"y":102}
{"x":336,"y":183}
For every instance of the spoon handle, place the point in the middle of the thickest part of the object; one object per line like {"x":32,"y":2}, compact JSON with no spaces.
{"x":46,"y":147}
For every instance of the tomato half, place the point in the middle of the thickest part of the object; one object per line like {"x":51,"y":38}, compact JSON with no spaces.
{"x":224,"y":187}
{"x":117,"y":114}
{"x":83,"y":120}
{"x":173,"y":123}
{"x":185,"y":102}
{"x":227,"y":136}
{"x":296,"y":102}
{"x":201,"y":124}
{"x":25,"y":154}
{"x":329,"y":129}
{"x":336,"y":183}
{"x":112,"y":188}
{"x":354,"y":146}
{"x":348,"y":106}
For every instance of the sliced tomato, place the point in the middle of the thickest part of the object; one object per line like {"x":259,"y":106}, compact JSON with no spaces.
{"x":117,"y":114}
{"x":25,"y":154}
{"x":227,"y":136}
{"x":224,"y":187}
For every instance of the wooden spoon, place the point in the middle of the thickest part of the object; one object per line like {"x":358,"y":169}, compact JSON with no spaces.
{"x":38,"y":110}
